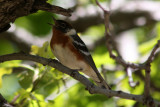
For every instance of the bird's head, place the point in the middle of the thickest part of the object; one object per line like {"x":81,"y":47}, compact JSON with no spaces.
{"x":64,"y":27}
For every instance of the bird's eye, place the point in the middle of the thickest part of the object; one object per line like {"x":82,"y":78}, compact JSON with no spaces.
{"x":63,"y":25}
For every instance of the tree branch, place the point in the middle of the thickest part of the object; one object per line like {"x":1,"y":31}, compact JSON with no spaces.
{"x":93,"y":89}
{"x":109,"y":39}
{"x":43,"y":5}
{"x":12,"y":9}
{"x":146,"y":66}
{"x":147,"y":72}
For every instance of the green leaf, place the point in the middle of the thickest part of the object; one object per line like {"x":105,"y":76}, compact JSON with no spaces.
{"x":158,"y":30}
{"x":2,"y":72}
{"x":6,"y":47}
{"x":49,"y":80}
{"x":44,"y":51}
{"x":26,"y":79}
{"x":34,"y":49}
{"x":10,"y":86}
{"x":36,"y":23}
{"x":10,"y":64}
{"x":101,"y":56}
{"x":147,"y":46}
{"x":95,"y":31}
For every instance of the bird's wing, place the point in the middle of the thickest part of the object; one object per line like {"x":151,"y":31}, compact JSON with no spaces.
{"x":81,"y":47}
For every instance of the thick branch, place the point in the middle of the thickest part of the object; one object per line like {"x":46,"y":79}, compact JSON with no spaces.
{"x":55,"y":64}
{"x":12,"y":9}
{"x":43,"y":5}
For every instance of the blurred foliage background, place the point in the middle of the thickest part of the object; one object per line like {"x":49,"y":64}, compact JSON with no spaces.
{"x":136,"y":28}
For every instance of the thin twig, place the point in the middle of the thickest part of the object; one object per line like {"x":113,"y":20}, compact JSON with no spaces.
{"x":147,"y":72}
{"x":151,"y":56}
{"x":109,"y":39}
{"x":130,"y":78}
{"x":147,"y":82}
{"x":15,"y":99}
{"x":146,"y":65}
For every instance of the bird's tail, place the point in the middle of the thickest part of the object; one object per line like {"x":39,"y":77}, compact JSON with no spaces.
{"x":98,"y":79}
{"x":103,"y":84}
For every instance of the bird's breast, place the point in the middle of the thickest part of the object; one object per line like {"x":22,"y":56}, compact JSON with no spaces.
{"x":59,"y":37}
{"x":67,"y":57}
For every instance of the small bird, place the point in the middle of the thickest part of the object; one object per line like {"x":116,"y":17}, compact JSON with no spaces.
{"x":72,"y":52}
